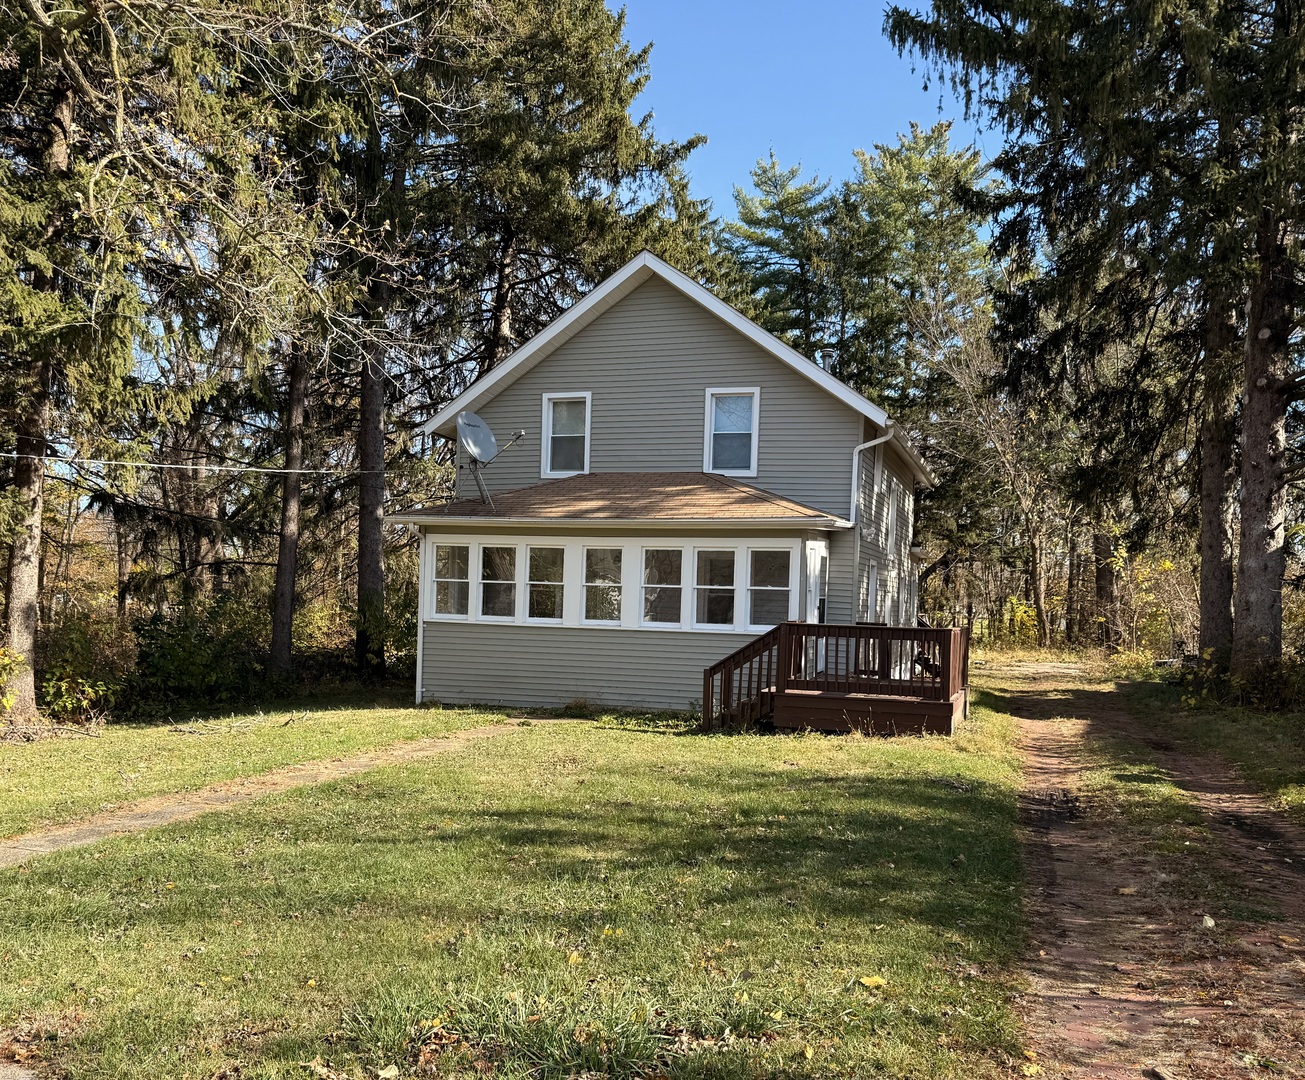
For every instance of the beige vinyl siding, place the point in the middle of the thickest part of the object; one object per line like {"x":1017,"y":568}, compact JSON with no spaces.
{"x":480,"y":663}
{"x":648,"y":363}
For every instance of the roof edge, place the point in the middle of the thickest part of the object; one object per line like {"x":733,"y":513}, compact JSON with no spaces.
{"x":728,"y":524}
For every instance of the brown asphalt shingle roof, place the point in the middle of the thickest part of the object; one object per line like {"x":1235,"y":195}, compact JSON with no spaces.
{"x":634,"y":496}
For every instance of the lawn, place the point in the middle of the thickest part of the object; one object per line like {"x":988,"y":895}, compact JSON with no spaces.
{"x":58,"y":780}
{"x":1268,"y":747}
{"x":567,"y":900}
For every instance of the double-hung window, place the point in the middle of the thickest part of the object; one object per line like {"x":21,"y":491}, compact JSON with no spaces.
{"x":769,"y":588}
{"x":603,"y":585}
{"x":544,"y":588}
{"x":730,"y":446}
{"x":566,"y":434}
{"x":714,"y":589}
{"x":498,"y":582}
{"x":452,"y":579}
{"x":663,"y":586}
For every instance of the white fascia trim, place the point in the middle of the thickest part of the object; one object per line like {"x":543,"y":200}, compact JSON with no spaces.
{"x":633,"y":274}
{"x":546,"y":426}
{"x":589,"y":524}
{"x":708,"y":432}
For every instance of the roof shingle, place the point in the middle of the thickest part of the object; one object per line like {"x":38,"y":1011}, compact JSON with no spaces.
{"x":633,"y":496}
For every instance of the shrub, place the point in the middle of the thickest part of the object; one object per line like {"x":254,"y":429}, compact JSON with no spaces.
{"x":212,"y":652}
{"x":1131,"y":664}
{"x":10,"y":662}
{"x":83,"y":666}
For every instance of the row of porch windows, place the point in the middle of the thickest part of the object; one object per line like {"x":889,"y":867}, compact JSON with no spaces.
{"x":661,"y":584}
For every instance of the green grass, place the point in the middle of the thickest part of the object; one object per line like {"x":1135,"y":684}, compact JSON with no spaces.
{"x":563,"y":901}
{"x":59,"y":780}
{"x":1268,"y":747}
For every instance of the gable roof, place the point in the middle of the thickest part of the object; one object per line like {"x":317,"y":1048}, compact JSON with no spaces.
{"x":622,"y":497}
{"x":644,"y":267}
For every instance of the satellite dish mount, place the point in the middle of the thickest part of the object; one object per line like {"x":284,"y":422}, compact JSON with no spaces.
{"x":481,"y":448}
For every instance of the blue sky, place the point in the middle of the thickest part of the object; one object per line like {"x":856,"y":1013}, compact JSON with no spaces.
{"x":814,"y":79}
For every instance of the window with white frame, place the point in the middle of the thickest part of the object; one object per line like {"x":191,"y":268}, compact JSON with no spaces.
{"x":544,"y":585}
{"x":566,"y":434}
{"x":603,"y":585}
{"x":663,"y":585}
{"x":730,"y":447}
{"x":452,"y":578}
{"x":769,"y":588}
{"x":498,"y":581}
{"x":714,"y":589}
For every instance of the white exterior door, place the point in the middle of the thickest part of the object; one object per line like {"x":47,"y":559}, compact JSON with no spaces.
{"x":813,"y":608}
{"x":869,"y":611}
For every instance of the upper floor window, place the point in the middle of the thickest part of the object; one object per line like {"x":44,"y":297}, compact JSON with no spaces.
{"x":566,"y":434}
{"x":730,"y":446}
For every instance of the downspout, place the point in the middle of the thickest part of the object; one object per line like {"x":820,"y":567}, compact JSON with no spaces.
{"x":853,"y":516}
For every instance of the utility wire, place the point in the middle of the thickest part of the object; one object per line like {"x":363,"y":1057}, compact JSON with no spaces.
{"x":202,"y":468}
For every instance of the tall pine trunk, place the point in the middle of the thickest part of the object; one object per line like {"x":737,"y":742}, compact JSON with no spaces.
{"x":369,"y":641}
{"x":287,"y":557}
{"x":23,"y":590}
{"x":1218,"y":437}
{"x":23,"y":594}
{"x":1261,"y":563}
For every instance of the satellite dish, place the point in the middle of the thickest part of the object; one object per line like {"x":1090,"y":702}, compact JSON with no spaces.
{"x":476,"y":439}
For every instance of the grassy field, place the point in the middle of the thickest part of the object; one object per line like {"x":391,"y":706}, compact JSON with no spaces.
{"x":566,"y":900}
{"x":58,"y":780}
{"x":1268,"y":747}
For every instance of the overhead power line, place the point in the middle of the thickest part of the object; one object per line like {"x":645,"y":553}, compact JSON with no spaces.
{"x":48,"y":459}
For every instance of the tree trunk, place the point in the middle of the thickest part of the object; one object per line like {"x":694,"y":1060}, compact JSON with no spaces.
{"x":1071,"y":588}
{"x":23,"y":595}
{"x":23,"y":590}
{"x":124,"y":560}
{"x":500,"y":340}
{"x":1107,"y":589}
{"x":1261,"y":564}
{"x":1217,"y":442}
{"x":283,"y":603}
{"x":369,"y":642}
{"x":1038,"y":589}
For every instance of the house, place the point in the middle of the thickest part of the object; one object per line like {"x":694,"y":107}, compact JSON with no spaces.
{"x":687,"y":487}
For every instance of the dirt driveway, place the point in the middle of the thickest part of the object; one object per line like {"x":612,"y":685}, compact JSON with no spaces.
{"x":1130,"y":974}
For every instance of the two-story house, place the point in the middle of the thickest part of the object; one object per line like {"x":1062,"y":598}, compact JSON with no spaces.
{"x":687,"y":482}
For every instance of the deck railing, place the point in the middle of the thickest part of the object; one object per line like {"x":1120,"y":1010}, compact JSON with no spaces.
{"x":921,"y":663}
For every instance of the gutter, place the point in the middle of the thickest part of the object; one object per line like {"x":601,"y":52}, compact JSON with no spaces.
{"x":594,"y":524}
{"x":889,"y":433}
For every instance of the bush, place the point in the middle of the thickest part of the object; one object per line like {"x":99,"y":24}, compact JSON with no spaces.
{"x":10,"y":662}
{"x":212,"y":652}
{"x":1129,"y":665}
{"x":83,"y":665}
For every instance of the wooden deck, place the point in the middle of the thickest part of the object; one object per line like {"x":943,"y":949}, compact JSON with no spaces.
{"x":883,"y":680}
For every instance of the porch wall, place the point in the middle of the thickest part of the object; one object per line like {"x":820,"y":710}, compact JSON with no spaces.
{"x":502,"y":664}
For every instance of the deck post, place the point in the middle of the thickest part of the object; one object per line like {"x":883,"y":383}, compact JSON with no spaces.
{"x":945,"y":662}
{"x":708,"y":707}
{"x":783,"y":657}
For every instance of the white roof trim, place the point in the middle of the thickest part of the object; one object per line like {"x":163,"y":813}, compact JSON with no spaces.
{"x":595,"y":524}
{"x":641,"y":268}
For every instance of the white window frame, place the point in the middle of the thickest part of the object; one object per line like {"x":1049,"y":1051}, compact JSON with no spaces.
{"x":735,"y":550}
{"x":623,"y":586}
{"x":748,"y":586}
{"x":431,"y":611}
{"x":546,"y":470}
{"x":524,"y":572}
{"x":683,"y":586}
{"x":478,"y":607}
{"x":708,"y":418}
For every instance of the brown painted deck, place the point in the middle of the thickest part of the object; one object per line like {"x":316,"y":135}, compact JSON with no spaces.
{"x":883,"y":680}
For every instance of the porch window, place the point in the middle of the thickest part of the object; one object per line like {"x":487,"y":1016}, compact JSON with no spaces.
{"x":662,"y":586}
{"x":603,"y":585}
{"x":731,"y":444}
{"x":768,"y":589}
{"x":498,"y":582}
{"x":452,"y":579}
{"x":566,"y":434}
{"x":544,"y":584}
{"x":714,"y":588}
